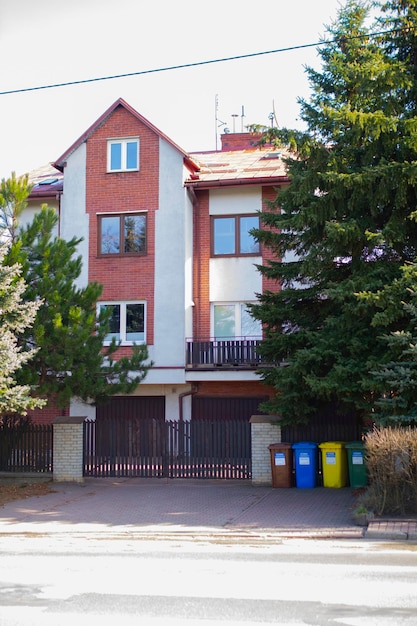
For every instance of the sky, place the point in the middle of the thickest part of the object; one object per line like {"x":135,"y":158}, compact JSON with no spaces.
{"x":47,"y":42}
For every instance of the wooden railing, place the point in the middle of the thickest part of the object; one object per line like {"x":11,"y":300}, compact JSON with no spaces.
{"x":227,"y":352}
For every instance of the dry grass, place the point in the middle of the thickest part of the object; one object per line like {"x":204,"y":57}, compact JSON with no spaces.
{"x":392,"y":468}
{"x":10,"y":491}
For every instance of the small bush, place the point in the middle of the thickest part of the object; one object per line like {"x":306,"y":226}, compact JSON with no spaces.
{"x":391,"y":457}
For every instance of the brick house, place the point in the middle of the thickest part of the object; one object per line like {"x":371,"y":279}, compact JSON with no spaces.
{"x":166,"y":233}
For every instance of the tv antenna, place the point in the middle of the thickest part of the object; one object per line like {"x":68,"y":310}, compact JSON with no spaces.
{"x":218,"y":122}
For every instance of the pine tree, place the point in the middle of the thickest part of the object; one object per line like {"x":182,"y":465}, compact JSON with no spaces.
{"x":16,"y":317}
{"x":345,"y":225}
{"x":14,"y":192}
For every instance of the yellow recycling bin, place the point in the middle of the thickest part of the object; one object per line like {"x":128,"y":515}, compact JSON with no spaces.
{"x":334,"y":464}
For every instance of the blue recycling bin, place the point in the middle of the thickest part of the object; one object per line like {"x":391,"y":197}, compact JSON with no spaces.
{"x":306,"y":464}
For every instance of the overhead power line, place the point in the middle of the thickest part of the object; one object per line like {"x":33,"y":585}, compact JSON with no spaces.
{"x":188,"y":65}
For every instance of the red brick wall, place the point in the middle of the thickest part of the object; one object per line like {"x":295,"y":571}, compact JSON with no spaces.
{"x":268,"y":195}
{"x":124,"y":278}
{"x":201,"y":324}
{"x":238,"y":388}
{"x":201,"y":321}
{"x":240,"y":141}
{"x":47,"y":414}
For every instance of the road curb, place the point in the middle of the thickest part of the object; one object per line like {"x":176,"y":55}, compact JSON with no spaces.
{"x":405,"y":530}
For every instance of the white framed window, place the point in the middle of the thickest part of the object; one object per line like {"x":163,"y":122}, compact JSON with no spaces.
{"x":232,"y":320}
{"x":123,"y":155}
{"x":127,"y":322}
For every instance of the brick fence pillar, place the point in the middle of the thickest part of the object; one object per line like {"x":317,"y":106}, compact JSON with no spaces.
{"x":264,"y":430}
{"x":68,"y":449}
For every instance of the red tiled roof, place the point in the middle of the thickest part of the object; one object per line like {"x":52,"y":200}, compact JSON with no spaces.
{"x":238,"y":167}
{"x":47,"y":181}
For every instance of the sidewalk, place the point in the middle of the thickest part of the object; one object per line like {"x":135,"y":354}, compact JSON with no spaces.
{"x":158,"y":508}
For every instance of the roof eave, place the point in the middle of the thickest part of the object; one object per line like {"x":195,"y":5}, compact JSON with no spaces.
{"x":235,"y":182}
{"x":45,"y":195}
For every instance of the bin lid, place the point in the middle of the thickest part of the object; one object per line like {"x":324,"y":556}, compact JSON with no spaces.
{"x":332,"y":444}
{"x":304,"y":444}
{"x":279,"y":446}
{"x":355,"y":445}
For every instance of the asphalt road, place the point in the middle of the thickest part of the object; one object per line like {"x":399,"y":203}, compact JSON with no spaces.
{"x":64,"y":580}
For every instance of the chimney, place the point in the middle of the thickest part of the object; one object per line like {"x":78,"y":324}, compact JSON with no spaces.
{"x":240,"y":141}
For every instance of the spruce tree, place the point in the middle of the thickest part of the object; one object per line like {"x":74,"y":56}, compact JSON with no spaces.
{"x":398,"y":376}
{"x":396,"y":305}
{"x":16,"y":317}
{"x":344,"y":226}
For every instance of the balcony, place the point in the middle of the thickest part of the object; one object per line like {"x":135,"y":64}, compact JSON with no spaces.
{"x":228,"y":353}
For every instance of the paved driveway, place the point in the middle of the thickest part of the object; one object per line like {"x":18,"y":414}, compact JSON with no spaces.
{"x":183,"y":506}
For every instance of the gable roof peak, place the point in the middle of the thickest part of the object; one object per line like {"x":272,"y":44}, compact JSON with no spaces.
{"x":120,"y":102}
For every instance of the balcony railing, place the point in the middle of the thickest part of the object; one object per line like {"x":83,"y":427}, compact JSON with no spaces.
{"x":243,"y":353}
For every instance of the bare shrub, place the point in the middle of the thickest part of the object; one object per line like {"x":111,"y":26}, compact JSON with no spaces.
{"x":391,"y":457}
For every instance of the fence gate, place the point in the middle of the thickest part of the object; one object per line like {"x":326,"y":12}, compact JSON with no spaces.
{"x":153,"y":448}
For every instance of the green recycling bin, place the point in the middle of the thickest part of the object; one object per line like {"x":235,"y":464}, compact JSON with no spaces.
{"x":334,"y":464}
{"x":358,"y":474}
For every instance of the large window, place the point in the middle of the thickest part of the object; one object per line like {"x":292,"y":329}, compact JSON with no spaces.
{"x":123,"y":155}
{"x":127,"y":321}
{"x":231,"y":235}
{"x":122,"y":234}
{"x":233,"y":320}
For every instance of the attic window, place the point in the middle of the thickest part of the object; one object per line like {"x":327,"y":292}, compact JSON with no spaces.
{"x":48,"y":181}
{"x":123,"y":155}
{"x":271,"y":155}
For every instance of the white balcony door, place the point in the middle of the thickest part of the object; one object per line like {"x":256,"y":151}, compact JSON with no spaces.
{"x":232,"y":320}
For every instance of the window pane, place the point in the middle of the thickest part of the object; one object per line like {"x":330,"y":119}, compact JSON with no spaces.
{"x":132,"y":155}
{"x":224,"y":321}
{"x":116,"y":156}
{"x":114,"y":322}
{"x":250,"y":327}
{"x":135,"y":322}
{"x":135,"y":233}
{"x":248,"y":245}
{"x":110,"y":235}
{"x":224,"y":235}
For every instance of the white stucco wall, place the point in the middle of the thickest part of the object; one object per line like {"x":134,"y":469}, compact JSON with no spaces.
{"x":33,"y":207}
{"x":189,"y":304}
{"x":170,"y":259}
{"x":235,"y":279}
{"x":172,"y":394}
{"x":74,"y":220}
{"x":77,"y":407}
{"x":235,"y":201}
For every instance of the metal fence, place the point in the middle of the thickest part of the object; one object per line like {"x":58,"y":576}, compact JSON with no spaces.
{"x":26,"y":448}
{"x":157,"y":448}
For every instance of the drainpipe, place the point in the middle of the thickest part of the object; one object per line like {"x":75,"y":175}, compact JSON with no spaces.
{"x":58,"y":197}
{"x":192,"y":392}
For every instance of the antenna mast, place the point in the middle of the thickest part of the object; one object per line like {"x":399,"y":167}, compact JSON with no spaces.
{"x":218,"y":123}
